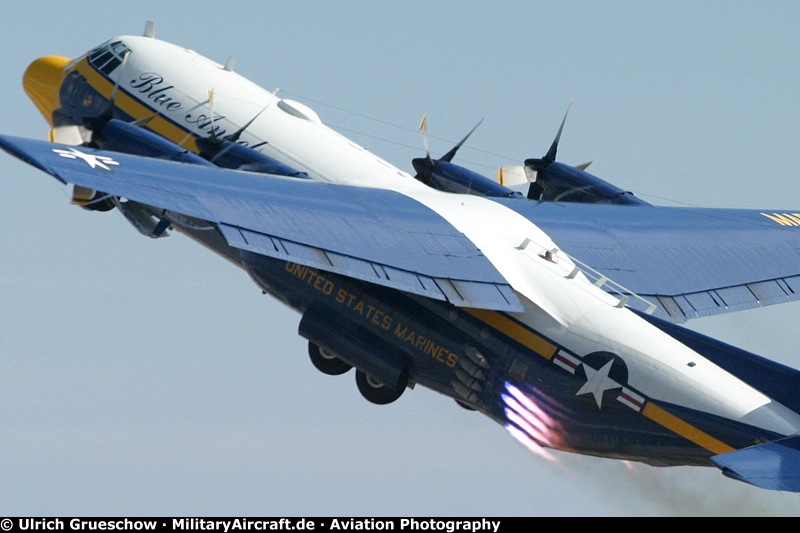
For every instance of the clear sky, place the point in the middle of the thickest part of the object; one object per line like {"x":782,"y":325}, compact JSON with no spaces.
{"x":142,"y":377}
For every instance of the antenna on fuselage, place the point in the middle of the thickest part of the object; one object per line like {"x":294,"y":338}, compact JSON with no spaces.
{"x":149,"y":29}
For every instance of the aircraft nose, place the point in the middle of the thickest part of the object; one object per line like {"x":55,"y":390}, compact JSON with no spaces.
{"x":42,"y":81}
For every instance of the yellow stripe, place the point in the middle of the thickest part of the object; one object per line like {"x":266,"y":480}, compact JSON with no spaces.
{"x":517,"y":332}
{"x":133,"y":107}
{"x":547,"y":350}
{"x":675,"y":424}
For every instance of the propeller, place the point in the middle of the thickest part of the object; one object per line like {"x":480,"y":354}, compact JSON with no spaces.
{"x":212,"y":134}
{"x":554,"y":181}
{"x":212,"y":147}
{"x":88,"y":132}
{"x":541,"y":164}
{"x":97,"y":123}
{"x":424,"y":166}
{"x":225,"y":151}
{"x":211,"y":143}
{"x":534,"y":166}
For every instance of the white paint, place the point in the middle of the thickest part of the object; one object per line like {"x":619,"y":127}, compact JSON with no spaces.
{"x":570,"y":310}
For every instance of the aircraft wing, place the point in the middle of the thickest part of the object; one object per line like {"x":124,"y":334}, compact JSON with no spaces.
{"x":774,"y":465}
{"x":374,"y":235}
{"x":690,"y":262}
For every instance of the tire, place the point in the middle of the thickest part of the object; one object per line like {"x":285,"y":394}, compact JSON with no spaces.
{"x":376,"y":392}
{"x":465,"y":406}
{"x":326,"y":362}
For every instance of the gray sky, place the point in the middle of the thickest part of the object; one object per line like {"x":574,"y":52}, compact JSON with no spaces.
{"x":143,"y":377}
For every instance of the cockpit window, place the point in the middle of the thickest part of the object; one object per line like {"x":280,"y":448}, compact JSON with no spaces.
{"x":108,"y":57}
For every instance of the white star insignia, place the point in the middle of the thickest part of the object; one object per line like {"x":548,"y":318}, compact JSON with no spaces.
{"x":597,"y":382}
{"x":92,"y":160}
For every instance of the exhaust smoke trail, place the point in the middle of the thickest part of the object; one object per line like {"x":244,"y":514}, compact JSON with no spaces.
{"x":663,"y":491}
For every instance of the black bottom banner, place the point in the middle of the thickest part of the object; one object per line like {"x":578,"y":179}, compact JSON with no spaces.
{"x":235,"y":525}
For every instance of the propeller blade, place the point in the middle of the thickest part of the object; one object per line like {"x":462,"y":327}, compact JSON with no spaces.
{"x":233,"y":137}
{"x":425,"y":166}
{"x":536,"y":165}
{"x":550,"y":156}
{"x":511,"y":176}
{"x":144,"y":121}
{"x":213,"y":135}
{"x":423,"y":130}
{"x":449,"y":155}
{"x":71,"y":134}
{"x":108,"y":112}
{"x":186,"y":138}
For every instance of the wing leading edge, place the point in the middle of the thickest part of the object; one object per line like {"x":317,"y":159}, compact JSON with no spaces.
{"x":690,"y":262}
{"x":373,"y":235}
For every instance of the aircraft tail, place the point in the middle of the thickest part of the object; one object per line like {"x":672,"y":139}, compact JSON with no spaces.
{"x":778,"y":381}
{"x":772,"y":465}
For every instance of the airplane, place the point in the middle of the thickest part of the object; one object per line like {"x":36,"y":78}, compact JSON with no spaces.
{"x":557,"y":313}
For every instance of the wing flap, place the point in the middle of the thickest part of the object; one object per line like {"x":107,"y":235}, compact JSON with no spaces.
{"x":463,"y":293}
{"x":375,"y":235}
{"x":774,"y":465}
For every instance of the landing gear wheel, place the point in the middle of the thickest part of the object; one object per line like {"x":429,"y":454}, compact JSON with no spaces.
{"x":376,"y":392}
{"x":465,"y":406}
{"x":326,"y":362}
{"x":99,"y":202}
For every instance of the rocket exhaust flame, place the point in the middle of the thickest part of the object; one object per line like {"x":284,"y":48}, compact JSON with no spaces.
{"x":529,"y":423}
{"x":517,"y":414}
{"x":529,"y":430}
{"x":529,"y":443}
{"x":529,"y":404}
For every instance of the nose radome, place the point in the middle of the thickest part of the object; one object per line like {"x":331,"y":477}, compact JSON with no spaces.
{"x":42,"y":82}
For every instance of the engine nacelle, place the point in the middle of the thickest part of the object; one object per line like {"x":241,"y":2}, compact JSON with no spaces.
{"x":236,"y":156}
{"x":558,"y":182}
{"x":120,"y":136}
{"x":448,"y":177}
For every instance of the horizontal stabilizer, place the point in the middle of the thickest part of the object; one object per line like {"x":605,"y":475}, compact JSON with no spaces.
{"x":774,"y":465}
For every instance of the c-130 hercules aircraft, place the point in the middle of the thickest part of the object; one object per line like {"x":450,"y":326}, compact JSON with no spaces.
{"x":556,"y":314}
